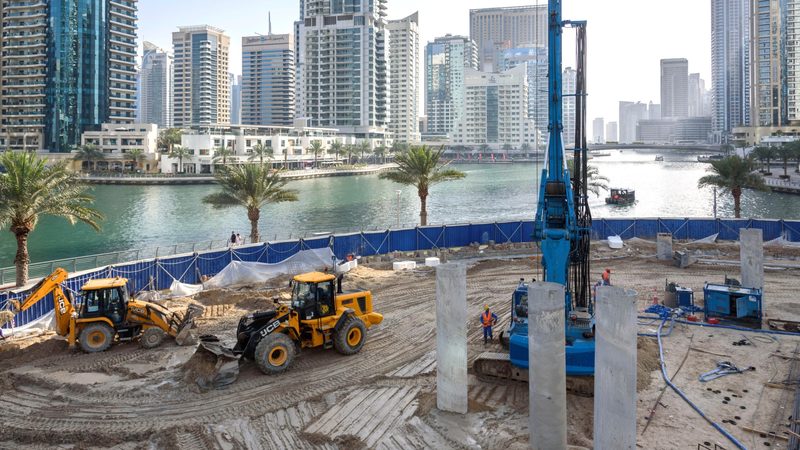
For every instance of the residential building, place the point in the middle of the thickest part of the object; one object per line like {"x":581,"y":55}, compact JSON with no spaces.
{"x":630,"y":114}
{"x":47,"y":99}
{"x":404,"y":56}
{"x":569,"y":78}
{"x":446,"y":61}
{"x":118,"y":141}
{"x":730,"y":65}
{"x":496,"y":110}
{"x":497,"y":29}
{"x":611,"y":132}
{"x":344,"y":60}
{"x":655,"y":131}
{"x":268,"y":80}
{"x":155,"y":87}
{"x":236,"y":99}
{"x":697,"y":94}
{"x":202,"y":87}
{"x":535,"y":59}
{"x":685,"y":130}
{"x":674,"y":88}
{"x":654,"y":111}
{"x":599,"y":131}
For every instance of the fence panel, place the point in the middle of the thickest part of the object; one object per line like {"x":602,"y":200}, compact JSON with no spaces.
{"x":772,"y":229}
{"x":344,"y":245}
{"x":701,"y":228}
{"x":211,"y":263}
{"x":482,"y":233}
{"x":375,"y":243}
{"x":430,"y":238}
{"x":250,"y":253}
{"x":729,"y":228}
{"x":403,"y":240}
{"x":508,"y":232}
{"x":278,"y":251}
{"x":791,"y":230}
{"x":457,"y":235}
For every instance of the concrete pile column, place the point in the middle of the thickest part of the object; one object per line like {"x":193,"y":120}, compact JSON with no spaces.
{"x":451,"y":338}
{"x":615,"y":369}
{"x":664,"y":246}
{"x":547,"y":382}
{"x":751,"y":254}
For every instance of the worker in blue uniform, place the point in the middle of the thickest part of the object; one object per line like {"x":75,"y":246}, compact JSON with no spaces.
{"x":488,"y":319}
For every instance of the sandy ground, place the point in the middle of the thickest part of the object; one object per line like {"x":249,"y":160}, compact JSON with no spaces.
{"x":384,"y":397}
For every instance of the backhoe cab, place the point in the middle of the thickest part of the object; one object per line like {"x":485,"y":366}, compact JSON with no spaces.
{"x":318,"y":315}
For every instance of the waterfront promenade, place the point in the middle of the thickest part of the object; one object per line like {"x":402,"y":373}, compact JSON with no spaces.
{"x":171,"y":179}
{"x":790,"y":186}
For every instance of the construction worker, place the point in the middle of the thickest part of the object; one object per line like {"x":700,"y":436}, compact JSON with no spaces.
{"x":488,"y":319}
{"x":607,"y":277}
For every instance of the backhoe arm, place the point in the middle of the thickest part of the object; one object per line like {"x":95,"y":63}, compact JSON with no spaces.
{"x":63,"y":306}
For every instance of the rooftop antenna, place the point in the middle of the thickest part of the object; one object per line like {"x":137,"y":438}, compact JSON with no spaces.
{"x":269,"y":20}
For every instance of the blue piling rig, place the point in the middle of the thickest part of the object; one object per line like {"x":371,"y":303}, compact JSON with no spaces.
{"x":563,"y":220}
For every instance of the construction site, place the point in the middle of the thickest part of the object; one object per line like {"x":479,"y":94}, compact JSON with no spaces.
{"x":385,"y":395}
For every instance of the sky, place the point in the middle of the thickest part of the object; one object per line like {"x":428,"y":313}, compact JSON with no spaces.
{"x":627,"y":38}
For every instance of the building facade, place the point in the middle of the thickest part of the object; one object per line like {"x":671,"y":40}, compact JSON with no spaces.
{"x":201,"y":80}
{"x":404,"y":56}
{"x":630,"y":114}
{"x":446,"y":61}
{"x":496,"y":111}
{"x":611,"y":132}
{"x":535,"y":59}
{"x":697,"y":95}
{"x":674,"y":88}
{"x":268,"y":80}
{"x":599,"y":131}
{"x":344,"y":61}
{"x":730,"y":65}
{"x":569,"y":79}
{"x":47,"y":49}
{"x":119,"y":143}
{"x":497,"y":29}
{"x":155,"y":87}
{"x":236,"y":99}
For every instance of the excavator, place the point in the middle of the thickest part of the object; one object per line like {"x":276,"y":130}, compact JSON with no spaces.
{"x":562,"y":227}
{"x":320,"y":314}
{"x":107,"y":314}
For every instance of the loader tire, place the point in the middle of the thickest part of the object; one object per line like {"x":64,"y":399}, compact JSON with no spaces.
{"x":96,"y":337}
{"x":350,"y":338}
{"x":152,"y":337}
{"x":274,"y":353}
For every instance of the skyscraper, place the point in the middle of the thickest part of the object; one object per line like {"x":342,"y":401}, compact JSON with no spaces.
{"x":497,"y":29}
{"x":674,"y":88}
{"x":570,"y":85}
{"x":654,"y":111}
{"x":446,"y":59}
{"x":155,"y":87}
{"x":201,"y":79}
{"x":404,"y":78}
{"x":697,"y":93}
{"x":236,"y":99}
{"x":630,"y":114}
{"x":344,"y":63}
{"x":611,"y":132}
{"x":67,"y":66}
{"x":535,"y":59}
{"x":599,"y":131}
{"x":730,"y":61}
{"x":268,"y":80}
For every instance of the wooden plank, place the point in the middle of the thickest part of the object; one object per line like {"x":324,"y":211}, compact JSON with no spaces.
{"x":767,"y":433}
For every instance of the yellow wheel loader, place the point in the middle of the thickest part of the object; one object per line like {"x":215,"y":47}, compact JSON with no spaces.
{"x":106,"y":314}
{"x":320,"y":315}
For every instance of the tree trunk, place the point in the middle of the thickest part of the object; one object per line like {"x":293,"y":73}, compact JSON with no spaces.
{"x":253,"y":214}
{"x":423,"y":207}
{"x":737,"y":201}
{"x":22,"y":259}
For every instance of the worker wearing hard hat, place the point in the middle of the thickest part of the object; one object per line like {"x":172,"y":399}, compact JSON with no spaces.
{"x":607,"y":277}
{"x":488,"y":318}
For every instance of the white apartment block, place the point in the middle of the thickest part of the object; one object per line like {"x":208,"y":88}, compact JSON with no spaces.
{"x":404,"y":55}
{"x":496,"y":29}
{"x":344,"y":65}
{"x":446,"y":61}
{"x":611,"y":132}
{"x":268,"y":80}
{"x":155,"y":87}
{"x":201,"y":80}
{"x":570,"y":86}
{"x":598,"y":131}
{"x":496,"y":110}
{"x":117,"y":141}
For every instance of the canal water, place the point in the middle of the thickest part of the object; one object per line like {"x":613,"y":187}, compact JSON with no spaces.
{"x":149,"y":216}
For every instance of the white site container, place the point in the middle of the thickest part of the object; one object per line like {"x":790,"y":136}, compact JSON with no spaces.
{"x":404,"y":265}
{"x":432,"y":262}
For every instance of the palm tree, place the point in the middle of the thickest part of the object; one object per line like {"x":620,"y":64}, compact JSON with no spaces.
{"x":764,"y":153}
{"x":261,"y":151}
{"x":421,"y":167}
{"x":136,"y":156}
{"x":89,"y":153}
{"x":349,"y":151}
{"x":733,"y":174}
{"x":525,"y":147}
{"x":30,"y":189}
{"x":180,"y":153}
{"x":250,"y":186}
{"x":595,"y":181}
{"x":222,"y":153}
{"x":380,"y":152}
{"x":363,"y":148}
{"x":336,"y":149}
{"x":316,"y":148}
{"x":397,"y":147}
{"x":785,"y":153}
{"x":168,"y":138}
{"x":507,"y":148}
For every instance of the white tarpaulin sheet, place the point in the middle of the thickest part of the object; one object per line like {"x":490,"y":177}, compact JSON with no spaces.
{"x":239,"y":273}
{"x":782,"y":242}
{"x":44,"y":323}
{"x":707,"y":240}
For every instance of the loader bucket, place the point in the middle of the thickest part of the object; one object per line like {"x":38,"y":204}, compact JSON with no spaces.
{"x":186,"y":334}
{"x":212,"y":366}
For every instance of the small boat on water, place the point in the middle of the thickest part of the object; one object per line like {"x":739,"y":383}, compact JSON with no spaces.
{"x":599,"y":154}
{"x":709,"y":158}
{"x":659,"y":158}
{"x":621,"y":197}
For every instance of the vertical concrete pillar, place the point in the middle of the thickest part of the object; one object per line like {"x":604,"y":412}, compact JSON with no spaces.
{"x":615,"y":369}
{"x":451,"y":338}
{"x":664,"y":246}
{"x":547,"y":381}
{"x":751,"y":254}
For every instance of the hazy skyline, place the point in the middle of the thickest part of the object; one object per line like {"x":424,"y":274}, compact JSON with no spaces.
{"x":627,"y":38}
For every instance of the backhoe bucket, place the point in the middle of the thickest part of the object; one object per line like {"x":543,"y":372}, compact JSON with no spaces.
{"x":212,"y":366}
{"x":186,"y":334}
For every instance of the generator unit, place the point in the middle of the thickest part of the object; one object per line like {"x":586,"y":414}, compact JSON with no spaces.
{"x":733,"y":302}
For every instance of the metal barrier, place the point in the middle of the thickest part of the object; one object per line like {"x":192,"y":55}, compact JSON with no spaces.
{"x":156,"y":271}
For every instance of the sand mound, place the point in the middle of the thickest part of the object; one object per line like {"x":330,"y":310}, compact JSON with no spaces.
{"x":646,"y":362}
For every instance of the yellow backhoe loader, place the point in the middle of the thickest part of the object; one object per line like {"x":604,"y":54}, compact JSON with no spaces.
{"x":106,"y":314}
{"x":320,"y":315}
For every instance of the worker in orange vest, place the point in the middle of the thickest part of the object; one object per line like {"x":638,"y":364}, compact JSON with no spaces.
{"x":488,"y":318}
{"x":607,"y":277}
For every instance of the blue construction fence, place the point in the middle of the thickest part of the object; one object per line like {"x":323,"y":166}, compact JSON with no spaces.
{"x":159,"y":273}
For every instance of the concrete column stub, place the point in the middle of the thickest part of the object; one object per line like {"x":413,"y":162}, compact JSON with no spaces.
{"x":451,"y":338}
{"x":751,"y":255}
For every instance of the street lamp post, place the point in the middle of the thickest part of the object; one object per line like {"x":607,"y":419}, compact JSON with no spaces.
{"x":715,"y":202}
{"x":398,"y":207}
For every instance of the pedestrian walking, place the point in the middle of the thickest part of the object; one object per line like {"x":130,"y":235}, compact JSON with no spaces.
{"x":232,"y":240}
{"x":239,"y":240}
